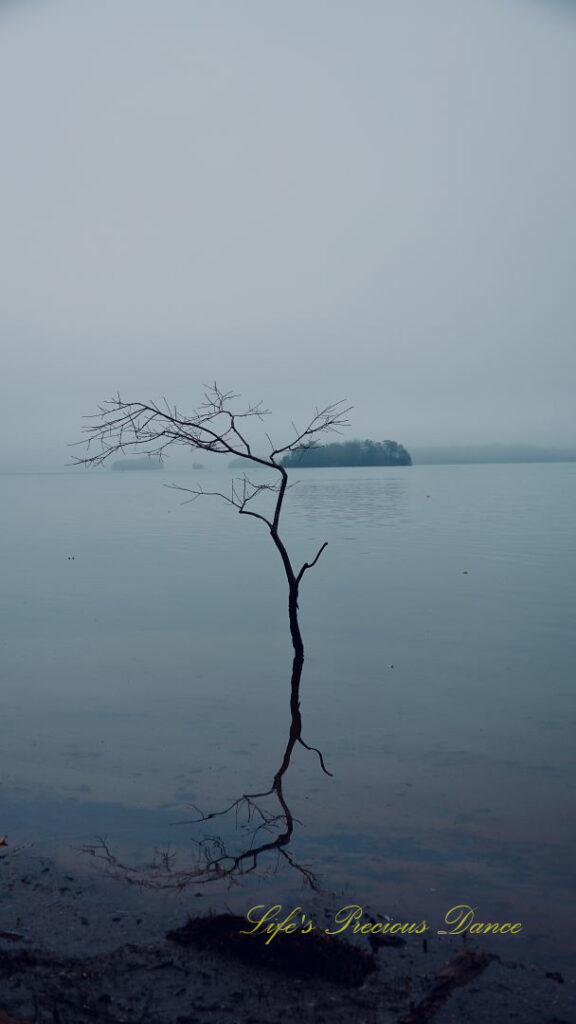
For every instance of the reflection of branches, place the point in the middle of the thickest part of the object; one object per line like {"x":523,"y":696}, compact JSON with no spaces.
{"x":214,"y":861}
{"x":267,"y":821}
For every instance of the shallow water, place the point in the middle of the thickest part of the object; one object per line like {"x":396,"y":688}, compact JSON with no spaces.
{"x":148,"y":675}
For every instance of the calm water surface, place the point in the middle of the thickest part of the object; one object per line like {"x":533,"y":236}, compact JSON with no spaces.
{"x":149,"y":675}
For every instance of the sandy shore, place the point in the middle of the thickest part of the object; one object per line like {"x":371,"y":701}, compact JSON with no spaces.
{"x":78,"y":948}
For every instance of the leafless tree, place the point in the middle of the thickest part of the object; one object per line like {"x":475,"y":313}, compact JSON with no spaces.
{"x":152,"y":428}
{"x":216,"y":427}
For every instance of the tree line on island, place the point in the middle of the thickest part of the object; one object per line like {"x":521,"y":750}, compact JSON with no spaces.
{"x":349,"y":453}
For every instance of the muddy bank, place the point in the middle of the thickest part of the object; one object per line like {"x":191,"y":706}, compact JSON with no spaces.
{"x":77,"y":949}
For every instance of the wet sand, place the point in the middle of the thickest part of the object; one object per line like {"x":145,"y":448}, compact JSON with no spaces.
{"x":79,"y":947}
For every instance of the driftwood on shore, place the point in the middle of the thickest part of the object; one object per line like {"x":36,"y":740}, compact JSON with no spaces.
{"x":304,"y":956}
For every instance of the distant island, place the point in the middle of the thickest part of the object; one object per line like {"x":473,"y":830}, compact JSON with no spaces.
{"x":350,"y":453}
{"x":146,"y":462}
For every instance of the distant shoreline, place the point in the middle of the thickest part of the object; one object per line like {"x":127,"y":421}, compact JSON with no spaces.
{"x":420,"y":457}
{"x":469,"y":455}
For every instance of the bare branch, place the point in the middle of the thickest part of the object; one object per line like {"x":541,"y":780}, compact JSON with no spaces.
{"x":212,"y":427}
{"x":127,"y":426}
{"x":239,"y":499}
{"x":309,"y":565}
{"x":328,"y":419}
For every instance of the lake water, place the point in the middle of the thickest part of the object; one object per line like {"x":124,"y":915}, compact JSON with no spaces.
{"x":146,"y":665}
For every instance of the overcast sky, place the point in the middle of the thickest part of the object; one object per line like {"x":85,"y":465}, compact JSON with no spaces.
{"x":304,"y":199}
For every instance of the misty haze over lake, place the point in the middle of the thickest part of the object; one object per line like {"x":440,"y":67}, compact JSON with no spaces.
{"x":308,"y":202}
{"x":151,"y":673}
{"x":303,"y":201}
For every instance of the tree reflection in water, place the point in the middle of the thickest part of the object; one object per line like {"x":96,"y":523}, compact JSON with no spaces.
{"x":215,"y":861}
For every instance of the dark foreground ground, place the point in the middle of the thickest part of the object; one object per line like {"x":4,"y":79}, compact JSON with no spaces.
{"x":78,"y":949}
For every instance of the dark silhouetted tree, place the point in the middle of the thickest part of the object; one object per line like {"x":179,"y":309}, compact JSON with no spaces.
{"x":148,"y":428}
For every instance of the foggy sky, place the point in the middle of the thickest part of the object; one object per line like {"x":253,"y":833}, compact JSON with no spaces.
{"x":305,"y":200}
